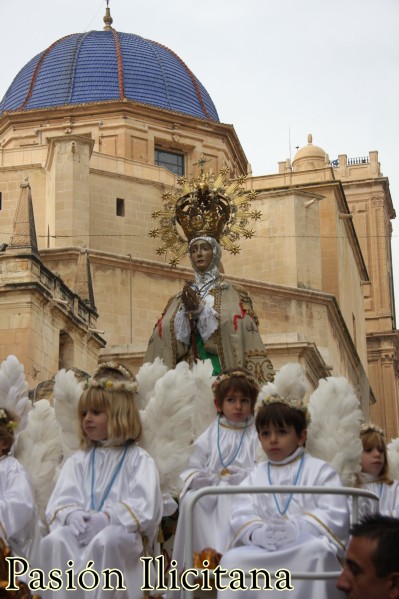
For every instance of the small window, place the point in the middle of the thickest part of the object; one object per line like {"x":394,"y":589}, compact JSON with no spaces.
{"x":120,"y":207}
{"x":1,"y":205}
{"x":171,"y":160}
{"x":66,"y":351}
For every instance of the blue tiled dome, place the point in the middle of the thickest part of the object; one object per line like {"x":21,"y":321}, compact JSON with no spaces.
{"x":101,"y":66}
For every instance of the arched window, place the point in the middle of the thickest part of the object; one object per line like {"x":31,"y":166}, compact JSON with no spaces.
{"x":66,"y":351}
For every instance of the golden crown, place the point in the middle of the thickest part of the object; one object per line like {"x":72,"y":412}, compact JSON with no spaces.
{"x":209,"y":205}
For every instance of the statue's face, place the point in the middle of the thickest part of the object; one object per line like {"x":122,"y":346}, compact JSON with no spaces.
{"x":201,"y":254}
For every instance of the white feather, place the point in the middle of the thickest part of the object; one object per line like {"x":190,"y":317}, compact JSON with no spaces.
{"x":166,"y":420}
{"x":266,"y":391}
{"x":334,"y":430}
{"x":14,"y":390}
{"x":203,"y":407}
{"x":393,"y":458}
{"x":67,"y":392}
{"x":147,"y":376}
{"x":39,"y":450}
{"x":289,"y":383}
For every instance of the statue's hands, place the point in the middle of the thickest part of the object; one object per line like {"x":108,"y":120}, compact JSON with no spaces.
{"x":190,"y":299}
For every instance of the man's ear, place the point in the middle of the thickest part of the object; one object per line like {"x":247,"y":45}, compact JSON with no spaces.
{"x":394,"y":585}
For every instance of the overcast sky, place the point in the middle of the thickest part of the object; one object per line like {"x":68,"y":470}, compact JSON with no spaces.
{"x":276,"y":69}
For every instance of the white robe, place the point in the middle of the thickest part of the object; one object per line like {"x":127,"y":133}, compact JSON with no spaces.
{"x":388,"y":494}
{"x":18,"y":514}
{"x":326,"y":526}
{"x":136,"y":501}
{"x":211,"y":513}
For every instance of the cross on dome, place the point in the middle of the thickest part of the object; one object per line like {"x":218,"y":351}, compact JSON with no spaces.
{"x":108,"y":20}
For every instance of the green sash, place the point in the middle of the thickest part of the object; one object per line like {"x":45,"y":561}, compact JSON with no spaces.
{"x":204,"y":355}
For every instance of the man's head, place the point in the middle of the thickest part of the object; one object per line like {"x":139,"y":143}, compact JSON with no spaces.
{"x":371,"y":568}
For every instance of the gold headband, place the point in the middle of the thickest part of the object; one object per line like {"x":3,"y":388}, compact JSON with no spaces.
{"x":295,"y":404}
{"x":235,"y":373}
{"x":114,"y":366}
{"x":369,"y":427}
{"x":108,"y":384}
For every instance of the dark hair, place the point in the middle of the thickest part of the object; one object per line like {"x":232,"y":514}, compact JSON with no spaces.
{"x":8,"y":422}
{"x":280,"y":414}
{"x":244,"y":382}
{"x":385,"y":530}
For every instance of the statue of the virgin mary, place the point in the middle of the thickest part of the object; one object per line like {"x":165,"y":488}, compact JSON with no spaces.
{"x":211,"y":317}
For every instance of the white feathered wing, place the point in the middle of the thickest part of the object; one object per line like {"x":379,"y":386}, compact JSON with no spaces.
{"x":393,"y":458}
{"x":290,"y":383}
{"x":334,"y":430}
{"x":147,"y":376}
{"x":39,"y":450}
{"x":203,"y":407}
{"x":36,"y":444}
{"x":14,"y":390}
{"x":167,"y":425}
{"x":67,"y":391}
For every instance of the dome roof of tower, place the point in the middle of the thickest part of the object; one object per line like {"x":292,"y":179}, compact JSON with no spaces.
{"x":103,"y":66}
{"x":310,"y":156}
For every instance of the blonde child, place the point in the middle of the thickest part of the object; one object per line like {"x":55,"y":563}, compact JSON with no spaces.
{"x":107,"y":503}
{"x":222,"y":455}
{"x":17,"y":504}
{"x":287,"y":530}
{"x":374,"y":475}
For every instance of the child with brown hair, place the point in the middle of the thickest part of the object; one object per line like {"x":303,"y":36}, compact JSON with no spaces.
{"x":17,"y":504}
{"x":223,"y":455}
{"x":374,"y":475}
{"x":296,"y":532}
{"x":107,"y":502}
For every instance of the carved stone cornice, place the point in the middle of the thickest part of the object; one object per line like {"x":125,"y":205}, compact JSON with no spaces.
{"x":384,"y":348}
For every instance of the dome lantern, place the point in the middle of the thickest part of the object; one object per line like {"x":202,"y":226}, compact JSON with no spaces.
{"x":108,"y":20}
{"x":310,"y":157}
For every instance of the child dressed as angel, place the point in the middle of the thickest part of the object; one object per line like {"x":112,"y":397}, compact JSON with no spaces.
{"x":296,"y":532}
{"x":375,"y":475}
{"x":107,"y":502}
{"x":223,"y":455}
{"x":18,"y":514}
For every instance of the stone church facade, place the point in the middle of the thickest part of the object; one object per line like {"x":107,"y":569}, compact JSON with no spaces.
{"x":81,"y":173}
